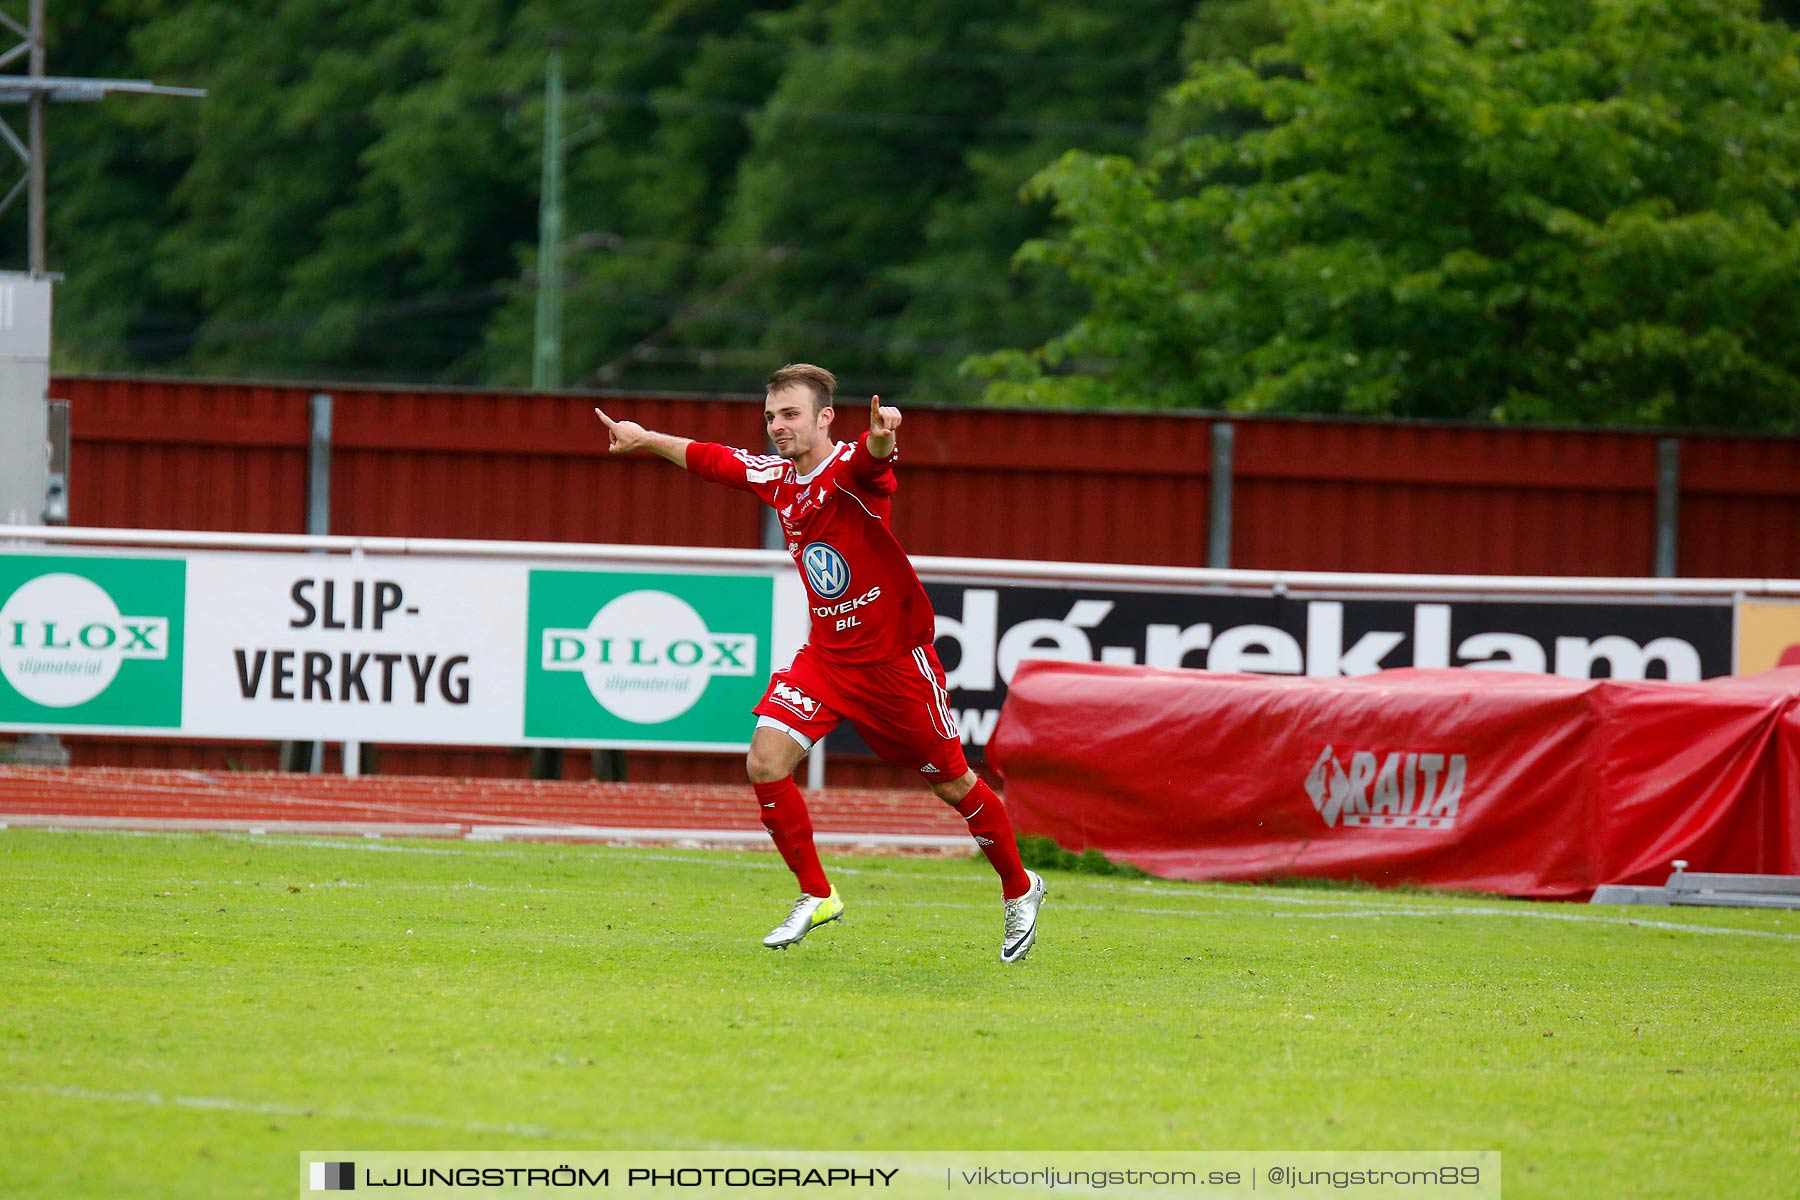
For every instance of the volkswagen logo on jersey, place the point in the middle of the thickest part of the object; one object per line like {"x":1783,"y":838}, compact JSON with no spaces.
{"x":826,"y":570}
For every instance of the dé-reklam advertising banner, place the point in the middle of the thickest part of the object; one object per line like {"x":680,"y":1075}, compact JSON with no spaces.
{"x":985,"y":631}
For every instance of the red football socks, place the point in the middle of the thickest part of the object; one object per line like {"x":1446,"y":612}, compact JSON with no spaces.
{"x":784,"y":815}
{"x":993,"y":832}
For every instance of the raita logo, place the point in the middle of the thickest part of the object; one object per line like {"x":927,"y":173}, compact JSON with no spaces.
{"x":62,"y":639}
{"x":1399,"y":790}
{"x":647,"y":656}
{"x":826,"y":570}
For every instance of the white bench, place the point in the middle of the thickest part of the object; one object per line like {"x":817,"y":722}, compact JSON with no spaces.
{"x":1708,"y":889}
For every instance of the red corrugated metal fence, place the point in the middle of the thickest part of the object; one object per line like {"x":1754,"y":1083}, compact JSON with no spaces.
{"x":1309,"y":494}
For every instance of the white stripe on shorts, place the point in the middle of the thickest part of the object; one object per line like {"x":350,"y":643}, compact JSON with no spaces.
{"x":946,"y":728}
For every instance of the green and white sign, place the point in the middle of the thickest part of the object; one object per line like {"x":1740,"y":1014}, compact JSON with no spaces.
{"x":91,"y":641}
{"x":673,"y":661}
{"x":387,"y":648}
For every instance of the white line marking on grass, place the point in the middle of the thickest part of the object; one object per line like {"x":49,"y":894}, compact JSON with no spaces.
{"x":261,"y":1108}
{"x":699,"y":859}
{"x":1214,"y":889}
{"x":1595,"y":919}
{"x":1174,"y":888}
{"x":269,"y":839}
{"x":1181,"y":912}
{"x":277,"y":884}
{"x":1392,"y":912}
{"x":1375,"y":904}
{"x":79,"y":880}
{"x":279,"y":797}
{"x":227,"y":1104}
{"x":359,"y":845}
{"x":732,"y":838}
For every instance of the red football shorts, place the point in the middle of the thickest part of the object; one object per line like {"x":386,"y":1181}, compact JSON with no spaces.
{"x":900,"y":707}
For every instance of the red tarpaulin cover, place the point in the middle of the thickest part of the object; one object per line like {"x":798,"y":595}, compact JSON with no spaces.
{"x":1531,"y":785}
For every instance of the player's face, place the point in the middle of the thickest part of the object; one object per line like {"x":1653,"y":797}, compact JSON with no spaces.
{"x":791,"y":423}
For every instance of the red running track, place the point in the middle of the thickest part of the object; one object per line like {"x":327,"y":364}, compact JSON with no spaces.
{"x":126,"y":798}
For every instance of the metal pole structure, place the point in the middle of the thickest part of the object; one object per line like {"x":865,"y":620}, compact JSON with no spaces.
{"x":351,"y":750}
{"x":318,"y":463}
{"x":1668,"y":504}
{"x":35,"y":137}
{"x":546,"y":358}
{"x":34,"y":89}
{"x":1218,"y":525}
{"x":310,"y":756}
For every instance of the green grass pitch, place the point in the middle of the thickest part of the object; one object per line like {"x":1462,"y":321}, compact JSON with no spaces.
{"x":180,"y":1015}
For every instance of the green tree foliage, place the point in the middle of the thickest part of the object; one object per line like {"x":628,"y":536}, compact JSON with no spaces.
{"x":747,"y":181}
{"x":1512,"y":209}
{"x":344,"y":201}
{"x":839,"y":180}
{"x":657,"y":123}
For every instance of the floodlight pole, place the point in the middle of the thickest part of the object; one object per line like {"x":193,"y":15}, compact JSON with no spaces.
{"x":35,"y":133}
{"x":26,"y":490}
{"x":547,"y":342}
{"x":35,"y":89}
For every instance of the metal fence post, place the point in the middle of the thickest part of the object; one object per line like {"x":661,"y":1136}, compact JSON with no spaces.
{"x":1668,"y":504}
{"x":1218,"y":524}
{"x":310,"y":756}
{"x":318,"y":464}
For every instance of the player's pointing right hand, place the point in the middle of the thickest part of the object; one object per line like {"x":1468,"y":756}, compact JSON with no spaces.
{"x":623,"y":436}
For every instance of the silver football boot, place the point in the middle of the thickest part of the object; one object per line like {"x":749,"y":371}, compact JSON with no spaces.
{"x":809,"y":913}
{"x":1021,"y":921}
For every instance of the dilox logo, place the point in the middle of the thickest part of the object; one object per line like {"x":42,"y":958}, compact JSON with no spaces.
{"x":62,"y":639}
{"x":647,"y":656}
{"x":1399,"y":789}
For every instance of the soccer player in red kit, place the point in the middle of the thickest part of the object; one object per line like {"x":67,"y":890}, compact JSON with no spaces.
{"x":869,"y":657}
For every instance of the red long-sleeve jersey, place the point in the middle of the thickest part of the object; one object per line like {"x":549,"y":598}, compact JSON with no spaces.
{"x":867,"y":602}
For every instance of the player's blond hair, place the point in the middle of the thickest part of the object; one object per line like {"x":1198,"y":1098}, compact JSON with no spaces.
{"x":822,"y":382}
